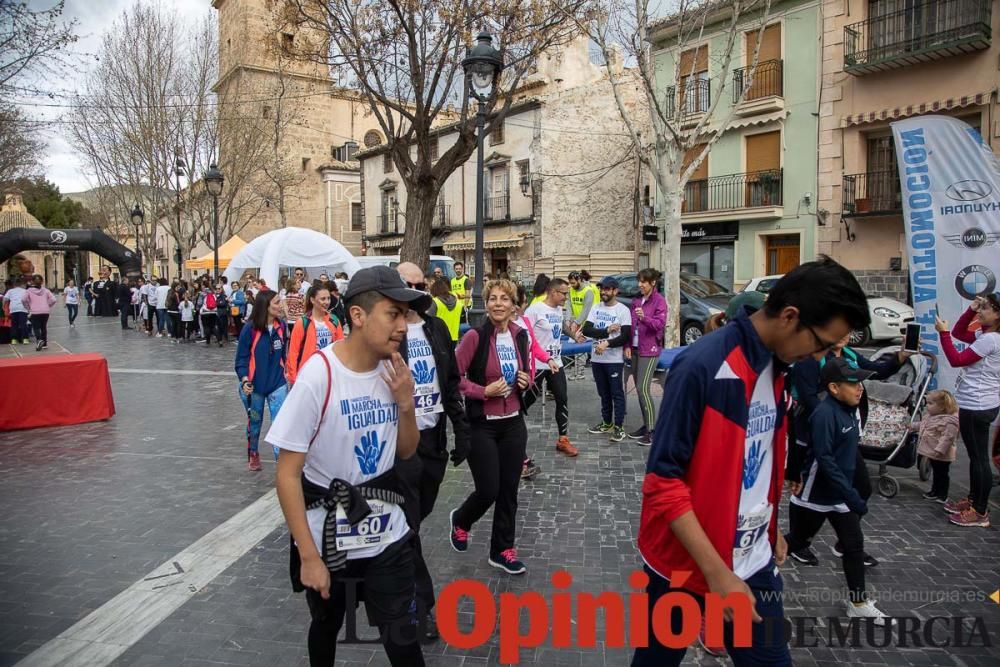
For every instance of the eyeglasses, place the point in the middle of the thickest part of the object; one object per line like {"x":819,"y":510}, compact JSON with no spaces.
{"x":563,"y":292}
{"x":822,"y":345}
{"x":417,"y":286}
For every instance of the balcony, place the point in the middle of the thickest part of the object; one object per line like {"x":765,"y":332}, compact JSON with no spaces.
{"x":694,"y":101}
{"x":388,"y":224}
{"x":923,"y":31}
{"x":753,"y":195}
{"x":442,"y":215}
{"x":764,"y":93}
{"x":497,"y":208}
{"x":871,"y":193}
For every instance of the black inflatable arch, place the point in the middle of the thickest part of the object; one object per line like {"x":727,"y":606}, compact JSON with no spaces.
{"x":22,"y":239}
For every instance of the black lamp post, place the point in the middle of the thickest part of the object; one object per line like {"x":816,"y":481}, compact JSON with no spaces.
{"x":178,"y":172}
{"x":213,"y":183}
{"x":137,"y":215}
{"x":482,"y":67}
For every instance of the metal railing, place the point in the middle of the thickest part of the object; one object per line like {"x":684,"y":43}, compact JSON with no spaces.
{"x":767,"y":81}
{"x":389,"y":223}
{"x":442,"y":215}
{"x":918,"y":29}
{"x":871,"y":193}
{"x":695,"y":97}
{"x":733,"y":191}
{"x":498,"y":207}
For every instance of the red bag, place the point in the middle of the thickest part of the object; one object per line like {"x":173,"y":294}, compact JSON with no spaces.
{"x":210,"y":301}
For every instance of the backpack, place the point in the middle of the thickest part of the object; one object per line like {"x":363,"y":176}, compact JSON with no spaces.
{"x":305,"y":321}
{"x":210,"y":301}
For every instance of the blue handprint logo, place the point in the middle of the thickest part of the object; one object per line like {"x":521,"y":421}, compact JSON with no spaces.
{"x":509,"y":373}
{"x":369,"y":453}
{"x":423,"y":373}
{"x":753,"y":464}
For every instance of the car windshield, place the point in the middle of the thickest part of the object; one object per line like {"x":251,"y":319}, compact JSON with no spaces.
{"x":701,"y":286}
{"x":766,"y":284}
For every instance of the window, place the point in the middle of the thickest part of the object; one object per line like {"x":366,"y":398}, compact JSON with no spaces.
{"x":524,"y":175}
{"x":357,"y":217}
{"x":265,"y":112}
{"x":496,"y":136}
{"x":305,"y":163}
{"x":387,"y":221}
{"x":694,"y":80}
{"x":372,"y":138}
{"x":433,"y":148}
{"x":287,"y":41}
{"x":387,"y":163}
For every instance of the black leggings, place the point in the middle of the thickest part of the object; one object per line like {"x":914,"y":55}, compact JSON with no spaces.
{"x":557,"y":383}
{"x":208,"y":327}
{"x":974,"y":425}
{"x":495,"y":459}
{"x":942,"y":479}
{"x":40,"y":325}
{"x":806,"y":523}
{"x":175,"y":323}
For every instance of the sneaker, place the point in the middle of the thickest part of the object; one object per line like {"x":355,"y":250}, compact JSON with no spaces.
{"x":431,"y":626}
{"x":971,"y":518}
{"x":957,"y":507}
{"x":565,"y":446}
{"x":639,"y":433}
{"x":529,"y":469}
{"x":940,"y":500}
{"x":869,"y":560}
{"x":602,"y":427}
{"x":508,"y":562}
{"x":930,"y":495}
{"x":459,"y":537}
{"x":645,"y":441}
{"x":714,"y":651}
{"x":866,"y":610}
{"x":617,"y":434}
{"x":38,"y":346}
{"x":804,"y":555}
{"x":254,"y":464}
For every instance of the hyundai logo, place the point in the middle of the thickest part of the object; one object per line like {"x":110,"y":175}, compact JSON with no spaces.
{"x":57,"y":237}
{"x":969,"y":190}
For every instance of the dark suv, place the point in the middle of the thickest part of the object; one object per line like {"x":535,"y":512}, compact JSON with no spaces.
{"x":701,"y":297}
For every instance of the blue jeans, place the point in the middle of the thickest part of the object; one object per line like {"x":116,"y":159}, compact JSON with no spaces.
{"x":769,"y":647}
{"x":254,"y":405}
{"x":72,"y":309}
{"x":161,"y":319}
{"x":610,"y":381}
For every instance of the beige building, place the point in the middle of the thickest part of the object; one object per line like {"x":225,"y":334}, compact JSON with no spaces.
{"x":308,"y":176}
{"x":885,"y":60}
{"x":560,"y":181}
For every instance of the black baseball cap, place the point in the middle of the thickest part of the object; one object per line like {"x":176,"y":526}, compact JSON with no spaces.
{"x":387,"y":282}
{"x":609,"y":283}
{"x":839,"y":369}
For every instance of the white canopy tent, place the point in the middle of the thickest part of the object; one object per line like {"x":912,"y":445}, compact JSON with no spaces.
{"x":291,"y":247}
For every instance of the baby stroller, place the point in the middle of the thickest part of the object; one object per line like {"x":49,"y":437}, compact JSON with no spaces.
{"x":892,"y":406}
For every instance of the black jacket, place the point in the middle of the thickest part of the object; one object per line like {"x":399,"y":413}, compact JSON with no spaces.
{"x":832,"y":456}
{"x":447,"y":370}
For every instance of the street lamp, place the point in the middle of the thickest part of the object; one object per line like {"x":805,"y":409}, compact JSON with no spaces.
{"x":178,"y":172}
{"x":213,"y":183}
{"x":482,"y":67}
{"x":137,"y":216}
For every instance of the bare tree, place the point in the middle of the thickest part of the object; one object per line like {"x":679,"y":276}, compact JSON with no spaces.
{"x":33,"y":42}
{"x":20,"y":147}
{"x":404,"y":58}
{"x":664,"y":143}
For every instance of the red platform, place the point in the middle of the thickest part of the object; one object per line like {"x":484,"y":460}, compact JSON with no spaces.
{"x":55,"y":390}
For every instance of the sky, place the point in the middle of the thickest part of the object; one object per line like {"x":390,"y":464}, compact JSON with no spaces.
{"x":61,"y":164}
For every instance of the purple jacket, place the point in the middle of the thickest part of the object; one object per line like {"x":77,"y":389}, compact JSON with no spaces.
{"x":464,"y":354}
{"x":651,"y":327}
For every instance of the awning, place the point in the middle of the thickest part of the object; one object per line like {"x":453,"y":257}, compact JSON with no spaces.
{"x":976,"y":99}
{"x":470,"y":243}
{"x":438,"y":240}
{"x":227,"y":251}
{"x":762,"y":119}
{"x":385,"y":243}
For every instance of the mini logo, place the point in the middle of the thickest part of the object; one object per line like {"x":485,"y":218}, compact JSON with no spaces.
{"x":969,"y":190}
{"x":972,"y":238}
{"x":975,"y":280}
{"x":57,"y":237}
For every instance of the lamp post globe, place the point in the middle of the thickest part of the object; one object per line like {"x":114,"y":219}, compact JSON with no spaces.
{"x":137,"y":216}
{"x":482,"y":66}
{"x":213,"y":183}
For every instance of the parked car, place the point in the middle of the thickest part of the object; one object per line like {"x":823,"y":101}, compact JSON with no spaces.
{"x":889,"y":317}
{"x":443,"y":262}
{"x":700,"y":298}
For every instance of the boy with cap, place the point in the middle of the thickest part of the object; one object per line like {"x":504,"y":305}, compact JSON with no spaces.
{"x":827,"y":490}
{"x":349,"y":415}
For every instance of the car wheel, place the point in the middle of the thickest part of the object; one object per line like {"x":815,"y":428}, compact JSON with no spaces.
{"x":861,"y":337}
{"x":691,"y":332}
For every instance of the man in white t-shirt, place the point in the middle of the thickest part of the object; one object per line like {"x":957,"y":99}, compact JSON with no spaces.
{"x":547,"y":320}
{"x":162,"y":290}
{"x":349,"y":415}
{"x":609,"y":324}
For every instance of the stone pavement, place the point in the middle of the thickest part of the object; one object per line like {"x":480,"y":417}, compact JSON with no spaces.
{"x":90,"y":510}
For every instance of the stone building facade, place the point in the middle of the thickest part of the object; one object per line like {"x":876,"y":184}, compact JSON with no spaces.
{"x":884,"y":60}
{"x":560,"y":179}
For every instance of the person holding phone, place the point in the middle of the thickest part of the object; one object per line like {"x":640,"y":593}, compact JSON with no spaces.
{"x":977,"y":392}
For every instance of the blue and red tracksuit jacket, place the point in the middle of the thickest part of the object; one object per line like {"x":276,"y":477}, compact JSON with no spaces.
{"x":696,"y":461}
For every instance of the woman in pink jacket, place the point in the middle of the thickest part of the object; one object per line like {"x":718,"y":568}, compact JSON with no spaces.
{"x":38,"y":300}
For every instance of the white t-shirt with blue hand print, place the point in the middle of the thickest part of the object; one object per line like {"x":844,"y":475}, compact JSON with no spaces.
{"x":751,"y":546}
{"x":356,"y":442}
{"x":507,"y":354}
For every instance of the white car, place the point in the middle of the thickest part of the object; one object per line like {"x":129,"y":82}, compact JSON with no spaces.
{"x":889,"y":317}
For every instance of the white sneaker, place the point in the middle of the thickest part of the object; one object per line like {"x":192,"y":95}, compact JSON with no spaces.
{"x":867,"y":610}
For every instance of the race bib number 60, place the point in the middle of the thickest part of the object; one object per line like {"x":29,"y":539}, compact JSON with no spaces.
{"x":368,"y":532}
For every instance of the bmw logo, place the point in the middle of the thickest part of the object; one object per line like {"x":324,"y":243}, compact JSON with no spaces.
{"x":969,"y":190}
{"x":975,"y":280}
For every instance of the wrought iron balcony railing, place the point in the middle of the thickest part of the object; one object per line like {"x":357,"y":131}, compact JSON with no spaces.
{"x":733,"y":191}
{"x":695,"y":97}
{"x":767,"y":81}
{"x":442,"y":215}
{"x":389,"y":223}
{"x":871,"y":193}
{"x":497,"y":207}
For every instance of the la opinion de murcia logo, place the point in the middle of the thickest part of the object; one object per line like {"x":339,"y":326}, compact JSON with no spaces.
{"x":57,"y":237}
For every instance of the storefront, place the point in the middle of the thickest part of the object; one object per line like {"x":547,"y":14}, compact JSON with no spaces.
{"x":709,"y":249}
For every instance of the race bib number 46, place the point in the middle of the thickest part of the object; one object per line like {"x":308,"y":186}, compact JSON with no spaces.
{"x":427,"y":401}
{"x":368,"y":532}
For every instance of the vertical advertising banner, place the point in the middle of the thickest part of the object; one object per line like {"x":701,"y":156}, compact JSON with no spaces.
{"x":950,"y":184}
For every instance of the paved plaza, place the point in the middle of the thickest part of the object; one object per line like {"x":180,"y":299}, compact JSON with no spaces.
{"x":144,"y":540}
